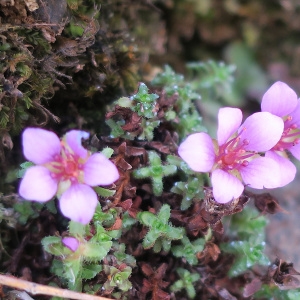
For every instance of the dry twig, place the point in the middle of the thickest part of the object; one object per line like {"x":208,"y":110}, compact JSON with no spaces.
{"x":35,"y":289}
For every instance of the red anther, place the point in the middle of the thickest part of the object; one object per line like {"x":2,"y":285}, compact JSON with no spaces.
{"x":245,"y":163}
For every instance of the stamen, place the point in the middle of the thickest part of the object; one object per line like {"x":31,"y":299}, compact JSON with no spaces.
{"x":232,"y":154}
{"x":245,"y":163}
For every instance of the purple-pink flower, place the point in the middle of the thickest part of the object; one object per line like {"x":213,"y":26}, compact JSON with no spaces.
{"x":71,"y":243}
{"x":281,"y":101}
{"x":234,"y":158}
{"x":66,"y":169}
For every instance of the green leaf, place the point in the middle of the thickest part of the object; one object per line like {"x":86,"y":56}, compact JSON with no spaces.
{"x":247,"y":255}
{"x":72,"y":269}
{"x":24,"y":166}
{"x":107,"y":152}
{"x":188,"y":250}
{"x":93,"y":251}
{"x":142,"y":173}
{"x":116,"y":130}
{"x":149,"y":239}
{"x":27,"y":210}
{"x":124,"y":102}
{"x":102,"y":192}
{"x":154,"y":158}
{"x":164,"y":213}
{"x":77,"y":229}
{"x":147,"y":218}
{"x":186,"y":282}
{"x":166,"y":244}
{"x":175,"y":233}
{"x":246,"y":222}
{"x":57,"y":268}
{"x":144,"y":102}
{"x":53,"y":245}
{"x":50,"y":205}
{"x":157,"y":186}
{"x":169,"y":170}
{"x":90,"y":271}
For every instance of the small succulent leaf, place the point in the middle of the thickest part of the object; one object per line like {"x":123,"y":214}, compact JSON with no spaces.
{"x":178,"y":251}
{"x":149,"y":239}
{"x":110,"y":270}
{"x":293,"y":294}
{"x":195,"y":277}
{"x":125,"y":285}
{"x":102,"y":192}
{"x":127,"y":221}
{"x":185,"y":203}
{"x":169,"y":170}
{"x":107,"y":152}
{"x":124,"y":102}
{"x":164,"y":214}
{"x":198,"y":244}
{"x":174,"y":160}
{"x":157,"y":185}
{"x":142,"y":173}
{"x":247,"y":222}
{"x":158,"y":245}
{"x":147,"y":218}
{"x":177,"y":286}
{"x":238,"y":267}
{"x":166,"y":244}
{"x":175,"y":233}
{"x":191,"y":291}
{"x":154,"y":158}
{"x":116,"y":130}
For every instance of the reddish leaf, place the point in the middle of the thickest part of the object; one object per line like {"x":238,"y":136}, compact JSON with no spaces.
{"x":252,"y":287}
{"x":267,"y":204}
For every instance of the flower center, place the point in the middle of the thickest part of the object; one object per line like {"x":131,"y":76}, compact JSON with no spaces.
{"x":71,"y":168}
{"x":66,"y":166}
{"x":290,"y":136}
{"x":232,"y":154}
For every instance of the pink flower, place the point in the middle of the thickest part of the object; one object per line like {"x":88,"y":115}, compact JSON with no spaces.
{"x":281,"y":101}
{"x":66,"y":169}
{"x":234,"y":157}
{"x":71,"y":243}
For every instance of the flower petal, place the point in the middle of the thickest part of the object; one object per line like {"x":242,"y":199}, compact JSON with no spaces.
{"x":74,"y":140}
{"x":38,"y":185}
{"x":287,"y":170}
{"x":39,"y":145}
{"x":99,"y":170}
{"x":229,"y":120}
{"x":198,"y":152}
{"x":262,"y":172}
{"x":295,"y":150}
{"x":71,"y":243}
{"x":295,"y":116}
{"x":261,"y":131}
{"x":279,"y":99}
{"x":79,"y":203}
{"x":226,"y":187}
